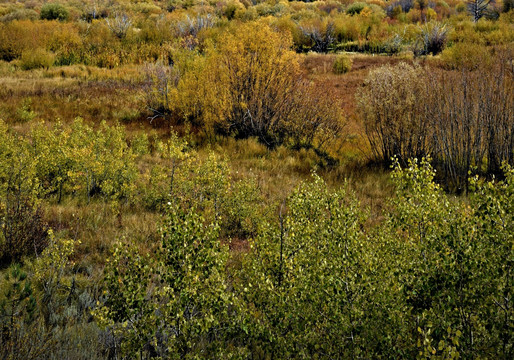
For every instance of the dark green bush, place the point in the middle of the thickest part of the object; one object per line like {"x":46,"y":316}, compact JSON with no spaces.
{"x":23,"y":230}
{"x":54,"y":11}
{"x":508,"y":5}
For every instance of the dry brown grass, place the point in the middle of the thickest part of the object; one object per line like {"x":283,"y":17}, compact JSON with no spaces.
{"x":98,"y":228}
{"x":343,"y":87}
{"x":69,"y":92}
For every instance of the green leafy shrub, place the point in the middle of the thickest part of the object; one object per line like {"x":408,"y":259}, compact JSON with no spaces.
{"x":468,"y":56}
{"x":22,"y":229}
{"x":140,"y":145}
{"x":43,"y":309}
{"x":304,"y":277}
{"x":240,"y":215}
{"x":342,"y":64}
{"x":320,"y":274}
{"x":20,"y":14}
{"x":162,"y":180}
{"x":18,"y":308}
{"x":81,"y":160}
{"x":19,"y":36}
{"x":54,"y":11}
{"x":184,"y":282}
{"x":49,"y":277}
{"x":25,"y":112}
{"x":438,"y":243}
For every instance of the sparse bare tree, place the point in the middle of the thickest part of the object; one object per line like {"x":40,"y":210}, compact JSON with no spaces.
{"x":160,"y":79}
{"x":191,"y":26}
{"x":119,"y":25}
{"x":478,"y":8}
{"x":94,"y":9}
{"x":322,"y":36}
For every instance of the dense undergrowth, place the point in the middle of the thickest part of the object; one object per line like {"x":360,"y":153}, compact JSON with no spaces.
{"x":435,"y":275}
{"x":229,"y":179}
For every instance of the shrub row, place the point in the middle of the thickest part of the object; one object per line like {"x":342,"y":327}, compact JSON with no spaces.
{"x":432,"y":281}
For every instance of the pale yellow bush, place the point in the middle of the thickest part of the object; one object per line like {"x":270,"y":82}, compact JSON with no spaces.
{"x":35,"y":59}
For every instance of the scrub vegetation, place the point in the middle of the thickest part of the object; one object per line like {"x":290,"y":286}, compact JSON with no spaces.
{"x":238,"y":179}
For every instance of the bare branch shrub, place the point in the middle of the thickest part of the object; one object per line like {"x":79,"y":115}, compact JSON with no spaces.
{"x":191,"y":27}
{"x":119,"y":25}
{"x":23,"y":230}
{"x":464,"y":119}
{"x":432,"y":39}
{"x":390,"y":103}
{"x":472,"y":114}
{"x":193,"y":24}
{"x":321,"y":35}
{"x":315,"y":119}
{"x":160,"y":79}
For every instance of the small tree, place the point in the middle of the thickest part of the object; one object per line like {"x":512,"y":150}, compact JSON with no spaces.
{"x":18,"y":310}
{"x":22,"y":229}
